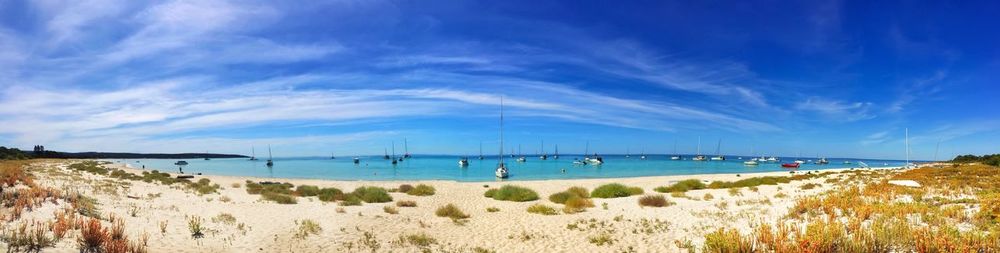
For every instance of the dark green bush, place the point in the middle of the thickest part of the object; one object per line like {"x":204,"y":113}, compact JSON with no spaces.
{"x":513,"y":193}
{"x":421,"y":190}
{"x":451,"y":211}
{"x":682,"y":186}
{"x":280,"y":198}
{"x":330,"y":194}
{"x":372,"y":194}
{"x":307,"y":190}
{"x":615,"y":190}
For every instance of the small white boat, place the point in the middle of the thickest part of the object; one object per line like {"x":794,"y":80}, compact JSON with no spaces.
{"x":595,"y":160}
{"x":675,"y":158}
{"x":184,"y":163}
{"x":522,"y":159}
{"x":718,"y":158}
{"x":750,"y":162}
{"x":464,"y":162}
{"x":799,"y":161}
{"x":501,"y":171}
{"x":579,"y":162}
{"x":772,"y":159}
{"x":699,"y":158}
{"x":822,"y":161}
{"x":357,"y":160}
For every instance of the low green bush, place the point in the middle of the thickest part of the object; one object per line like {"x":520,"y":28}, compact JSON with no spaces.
{"x":280,"y":198}
{"x":330,"y":194}
{"x":682,"y":186}
{"x":451,"y":211}
{"x":421,"y":190}
{"x":542,"y":209}
{"x":615,"y":190}
{"x":372,"y":194}
{"x":307,"y":190}
{"x":513,"y":193}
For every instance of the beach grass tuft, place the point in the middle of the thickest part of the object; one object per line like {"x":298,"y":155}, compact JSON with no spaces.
{"x":279,"y":198}
{"x":307,"y":190}
{"x":615,"y":190}
{"x":512,"y":193}
{"x":577,"y":204}
{"x":682,"y":186}
{"x":406,"y":203}
{"x":372,"y":194}
{"x":390,"y":210}
{"x":542,"y":209}
{"x":307,"y":227}
{"x":451,"y":211}
{"x":404,"y":188}
{"x":421,"y":190}
{"x":654,"y":201}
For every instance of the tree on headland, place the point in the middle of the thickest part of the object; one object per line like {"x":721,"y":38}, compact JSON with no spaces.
{"x":12,"y":154}
{"x":993,"y":159}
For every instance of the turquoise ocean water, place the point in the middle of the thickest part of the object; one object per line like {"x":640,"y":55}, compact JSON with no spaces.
{"x":440,"y":167}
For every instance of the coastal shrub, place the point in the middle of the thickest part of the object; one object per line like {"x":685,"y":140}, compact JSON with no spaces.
{"x":404,"y":188}
{"x":542,"y":209}
{"x":451,"y":211}
{"x":372,"y":194}
{"x":421,"y":240}
{"x":562,"y":197}
{"x":512,"y":193}
{"x":421,"y":190}
{"x":708,"y":196}
{"x":89,"y":166}
{"x":257,"y":188}
{"x":330,"y":194}
{"x":654,"y":201}
{"x":577,"y":204}
{"x":92,"y":236}
{"x":492,"y":209}
{"x":989,"y":208}
{"x":809,"y":186}
{"x":194,"y":226}
{"x":307,"y":190}
{"x":204,"y":186}
{"x":280,"y":198}
{"x":489,"y":193}
{"x":20,"y":238}
{"x":308,"y":227}
{"x":601,"y":239}
{"x":615,"y":190}
{"x":682,"y":186}
{"x":350,"y":200}
{"x":406,"y":203}
{"x":756,"y":181}
{"x":724,"y":240}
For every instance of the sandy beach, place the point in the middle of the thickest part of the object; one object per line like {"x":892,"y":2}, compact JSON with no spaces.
{"x":264,"y":226}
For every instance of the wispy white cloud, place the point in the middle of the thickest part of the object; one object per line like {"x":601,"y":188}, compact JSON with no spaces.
{"x":836,"y":110}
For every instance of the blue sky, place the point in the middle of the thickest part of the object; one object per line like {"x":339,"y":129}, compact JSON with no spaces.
{"x":828,"y":78}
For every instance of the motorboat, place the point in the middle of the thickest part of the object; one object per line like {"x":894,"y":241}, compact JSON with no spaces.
{"x":790,"y":165}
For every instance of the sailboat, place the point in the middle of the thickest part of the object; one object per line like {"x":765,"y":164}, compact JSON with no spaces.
{"x":675,"y":157}
{"x":270,"y":160}
{"x":253,"y":154}
{"x":752,"y":161}
{"x":406,"y":148}
{"x":385,"y":152}
{"x":357,"y":160}
{"x":556,"y":155}
{"x":206,"y":156}
{"x":463,"y":162}
{"x":718,"y":152}
{"x":627,"y":153}
{"x":544,"y":156}
{"x":332,"y":156}
{"x":642,"y":156}
{"x":698,"y":156}
{"x":501,"y":170}
{"x":394,"y":161}
{"x":520,"y":158}
{"x":480,"y":150}
{"x":798,"y":158}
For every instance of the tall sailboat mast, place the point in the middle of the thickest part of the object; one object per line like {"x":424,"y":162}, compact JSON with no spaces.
{"x":501,"y":170}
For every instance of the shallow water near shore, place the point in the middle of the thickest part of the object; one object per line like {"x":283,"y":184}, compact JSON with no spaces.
{"x":439,"y":167}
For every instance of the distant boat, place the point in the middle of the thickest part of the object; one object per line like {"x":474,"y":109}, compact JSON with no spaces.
{"x":357,"y":160}
{"x":501,"y":170}
{"x":790,"y":165}
{"x":799,"y":161}
{"x":772,"y":159}
{"x":822,"y":161}
{"x":181,"y":163}
{"x":463,"y":162}
{"x":751,"y":162}
{"x":253,"y":154}
{"x":627,"y":155}
{"x":394,"y":161}
{"x":718,"y":152}
{"x":332,"y":156}
{"x":556,"y":155}
{"x":270,"y":159}
{"x":206,"y":156}
{"x":847,"y":162}
{"x":544,"y":156}
{"x":385,"y":151}
{"x":520,"y":158}
{"x":642,"y":156}
{"x":481,"y":150}
{"x":406,"y":148}
{"x":675,"y":156}
{"x":595,"y":160}
{"x":699,"y":157}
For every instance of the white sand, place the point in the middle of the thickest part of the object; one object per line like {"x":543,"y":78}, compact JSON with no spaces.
{"x":270,"y":227}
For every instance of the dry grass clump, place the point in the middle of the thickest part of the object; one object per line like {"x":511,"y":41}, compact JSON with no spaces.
{"x":406,"y":203}
{"x":574,"y":199}
{"x":708,"y":196}
{"x":451,"y":211}
{"x":307,"y":227}
{"x":390,"y":210}
{"x":22,"y":238}
{"x":655,"y":201}
{"x":421,"y":190}
{"x":682,"y":186}
{"x":404,"y":188}
{"x":95,"y":238}
{"x":372,"y":194}
{"x":615,"y":190}
{"x":809,"y":186}
{"x":492,"y":209}
{"x":512,"y":193}
{"x":279,"y":198}
{"x":420,"y":240}
{"x":542,"y":209}
{"x":577,"y":204}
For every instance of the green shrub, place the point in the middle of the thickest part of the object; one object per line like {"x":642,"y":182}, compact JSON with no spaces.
{"x":513,"y":193}
{"x":307,"y":190}
{"x":577,"y":204}
{"x":654,"y":201}
{"x":492,"y":209}
{"x":542,"y":209}
{"x":350,"y":200}
{"x":755,"y":181}
{"x":280,"y":198}
{"x":489,"y":193}
{"x":404,"y":188}
{"x":615,"y":190}
{"x":682,"y":186}
{"x":421,"y":190}
{"x":255,"y":188}
{"x":561,"y":197}
{"x":451,"y":211}
{"x":330,"y":194}
{"x":372,"y":194}
{"x":406,"y":203}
